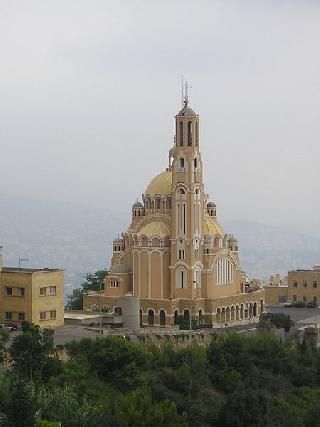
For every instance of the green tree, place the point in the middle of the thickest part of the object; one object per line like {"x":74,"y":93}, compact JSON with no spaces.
{"x":32,"y":350}
{"x":94,"y":281}
{"x":75,"y":300}
{"x":138,"y":409}
{"x":91,"y":282}
{"x":4,"y":336}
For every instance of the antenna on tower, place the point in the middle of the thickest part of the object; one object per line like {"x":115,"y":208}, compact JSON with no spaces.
{"x":182,"y":94}
{"x":186,"y":97}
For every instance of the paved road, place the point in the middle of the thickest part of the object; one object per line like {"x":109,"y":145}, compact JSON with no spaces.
{"x":298,"y":315}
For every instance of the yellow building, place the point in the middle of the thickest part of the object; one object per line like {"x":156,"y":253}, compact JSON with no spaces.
{"x":304,"y":285}
{"x":34,"y":295}
{"x":175,"y":256}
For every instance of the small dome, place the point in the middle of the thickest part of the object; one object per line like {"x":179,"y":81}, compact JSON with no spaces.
{"x":211,"y":205}
{"x":137,"y":204}
{"x":233,"y":240}
{"x":187,"y":111}
{"x":161,"y":184}
{"x":119,"y":268}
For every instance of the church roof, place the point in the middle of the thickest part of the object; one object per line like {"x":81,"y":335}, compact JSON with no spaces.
{"x":211,"y":227}
{"x":161,"y":184}
{"x":155,"y":228}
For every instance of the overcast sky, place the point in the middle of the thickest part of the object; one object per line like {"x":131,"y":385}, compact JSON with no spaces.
{"x":89,"y":89}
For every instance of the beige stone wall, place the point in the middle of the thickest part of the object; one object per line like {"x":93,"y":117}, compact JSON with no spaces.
{"x":205,"y":308}
{"x":16,"y":304}
{"x":276,"y":294}
{"x":32,"y":303}
{"x":301,"y":285}
{"x":49,"y":302}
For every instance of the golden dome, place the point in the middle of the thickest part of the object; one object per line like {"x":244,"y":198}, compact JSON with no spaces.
{"x":211,"y":227}
{"x":160,"y":185}
{"x":155,"y":228}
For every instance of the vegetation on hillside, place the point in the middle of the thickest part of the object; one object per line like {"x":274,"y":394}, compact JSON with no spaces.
{"x":109,"y":381}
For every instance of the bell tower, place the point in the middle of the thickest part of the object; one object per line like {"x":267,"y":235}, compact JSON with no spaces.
{"x":187,"y":204}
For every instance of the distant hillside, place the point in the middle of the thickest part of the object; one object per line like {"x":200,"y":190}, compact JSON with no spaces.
{"x":53,"y":234}
{"x":266,"y":249}
{"x":79,"y":239}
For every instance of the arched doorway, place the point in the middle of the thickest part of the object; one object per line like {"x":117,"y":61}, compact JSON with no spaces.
{"x":186,"y":316}
{"x":200,"y":317}
{"x":237,"y":313}
{"x":241,"y":312}
{"x":218,"y":315}
{"x":162,"y":318}
{"x":261,"y":306}
{"x":175,"y":319}
{"x":150,"y":317}
{"x":228,"y":314}
{"x":255,"y":310}
{"x":141,"y":321}
{"x":232,"y":313}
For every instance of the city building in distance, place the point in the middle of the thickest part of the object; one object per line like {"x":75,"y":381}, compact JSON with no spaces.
{"x":175,"y":256}
{"x":31,"y":294}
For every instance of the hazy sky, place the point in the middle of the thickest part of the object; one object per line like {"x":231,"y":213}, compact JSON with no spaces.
{"x":89,"y":89}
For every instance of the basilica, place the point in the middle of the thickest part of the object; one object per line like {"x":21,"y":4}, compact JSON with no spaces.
{"x":175,"y":256}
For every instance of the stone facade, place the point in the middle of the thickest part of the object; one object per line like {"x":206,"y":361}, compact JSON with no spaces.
{"x":34,"y":295}
{"x":175,"y":256}
{"x":304,"y":285}
{"x":276,"y":294}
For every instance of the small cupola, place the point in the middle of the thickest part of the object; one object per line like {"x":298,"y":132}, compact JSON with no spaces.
{"x":137,"y":210}
{"x":233,"y":244}
{"x":211,"y":209}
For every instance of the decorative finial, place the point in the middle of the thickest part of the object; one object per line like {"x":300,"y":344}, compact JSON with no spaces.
{"x":182,"y":94}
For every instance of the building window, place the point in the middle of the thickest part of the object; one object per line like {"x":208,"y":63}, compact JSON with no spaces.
{"x":22,"y":292}
{"x":195,"y":163}
{"x":189,"y":134}
{"x":315,"y":284}
{"x":8,"y":315}
{"x":181,"y":133}
{"x":304,"y":299}
{"x":182,"y":162}
{"x":42,"y":291}
{"x":8,"y":291}
{"x":118,"y":311}
{"x":224,"y":271}
{"x":305,"y":284}
{"x":53,"y":314}
{"x":158,"y":203}
{"x":43,"y":315}
{"x":181,"y":253}
{"x":52,"y":290}
{"x":114,"y":284}
{"x":21,"y":316}
{"x":295,"y":284}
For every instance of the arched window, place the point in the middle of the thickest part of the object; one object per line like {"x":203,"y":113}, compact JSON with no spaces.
{"x":181,"y":162}
{"x":224,"y":271}
{"x":181,"y":191}
{"x":181,"y":278}
{"x":158,"y":203}
{"x":189,"y":134}
{"x":162,"y":318}
{"x":181,"y":133}
{"x":195,"y":163}
{"x":151,"y":317}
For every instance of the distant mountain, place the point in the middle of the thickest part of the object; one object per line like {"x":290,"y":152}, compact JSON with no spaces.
{"x":266,"y":249}
{"x":79,"y":239}
{"x":54,"y":234}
